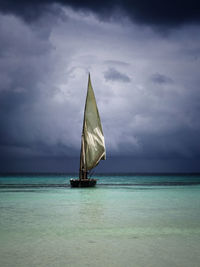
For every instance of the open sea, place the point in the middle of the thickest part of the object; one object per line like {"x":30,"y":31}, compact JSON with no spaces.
{"x":126,"y":220}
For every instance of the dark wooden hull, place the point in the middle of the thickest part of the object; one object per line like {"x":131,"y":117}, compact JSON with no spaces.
{"x":83,"y":182}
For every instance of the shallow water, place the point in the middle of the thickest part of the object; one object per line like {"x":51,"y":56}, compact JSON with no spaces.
{"x":152,"y":221}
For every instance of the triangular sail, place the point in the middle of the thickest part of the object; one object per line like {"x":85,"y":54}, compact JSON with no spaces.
{"x":92,"y":141}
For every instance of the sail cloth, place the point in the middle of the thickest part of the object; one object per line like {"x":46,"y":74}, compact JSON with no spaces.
{"x":93,"y":145}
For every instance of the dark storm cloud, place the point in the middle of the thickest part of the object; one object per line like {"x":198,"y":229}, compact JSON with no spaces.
{"x":27,"y":65}
{"x":147,"y":87}
{"x":154,"y":12}
{"x":160,"y":79}
{"x":114,"y":75}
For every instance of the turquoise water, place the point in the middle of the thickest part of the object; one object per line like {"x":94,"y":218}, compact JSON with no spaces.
{"x":124,"y":221}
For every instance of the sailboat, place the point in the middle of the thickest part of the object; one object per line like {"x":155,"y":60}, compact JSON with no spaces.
{"x":92,"y":141}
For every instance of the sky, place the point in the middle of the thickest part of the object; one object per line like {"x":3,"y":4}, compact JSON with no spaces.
{"x":144,"y":61}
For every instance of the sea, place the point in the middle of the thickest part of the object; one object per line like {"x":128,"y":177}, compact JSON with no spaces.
{"x":126,"y":220}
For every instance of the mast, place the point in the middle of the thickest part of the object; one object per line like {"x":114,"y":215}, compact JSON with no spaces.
{"x":83,"y":167}
{"x":82,"y":171}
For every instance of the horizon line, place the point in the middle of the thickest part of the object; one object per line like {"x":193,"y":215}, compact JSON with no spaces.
{"x":100,"y":173}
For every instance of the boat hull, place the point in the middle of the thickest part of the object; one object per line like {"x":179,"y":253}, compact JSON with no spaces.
{"x":83,"y":182}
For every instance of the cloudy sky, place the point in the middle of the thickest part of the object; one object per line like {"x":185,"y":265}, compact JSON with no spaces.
{"x":144,"y":60}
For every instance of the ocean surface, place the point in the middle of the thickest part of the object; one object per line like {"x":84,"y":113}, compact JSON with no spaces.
{"x":126,"y":220}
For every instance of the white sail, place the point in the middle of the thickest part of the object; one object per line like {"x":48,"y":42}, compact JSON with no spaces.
{"x":93,"y":145}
